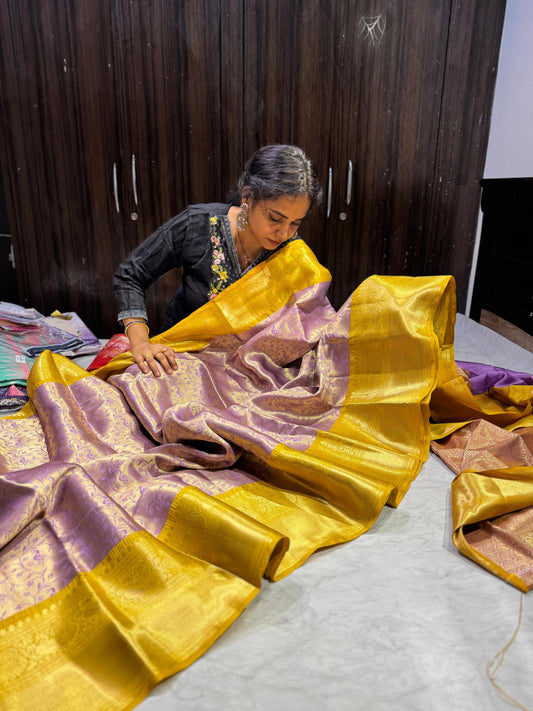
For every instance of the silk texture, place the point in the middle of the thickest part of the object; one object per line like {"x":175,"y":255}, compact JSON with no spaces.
{"x":140,"y":514}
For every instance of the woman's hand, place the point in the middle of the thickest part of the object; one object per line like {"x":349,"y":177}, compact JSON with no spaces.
{"x":152,"y":356}
{"x":148,"y":356}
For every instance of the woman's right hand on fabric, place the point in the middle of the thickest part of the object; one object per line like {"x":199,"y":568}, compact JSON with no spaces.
{"x":152,"y":356}
{"x":149,"y":356}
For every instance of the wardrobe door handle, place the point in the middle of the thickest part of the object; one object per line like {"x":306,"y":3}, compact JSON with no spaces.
{"x":330,"y":190}
{"x":115,"y":187}
{"x":349,"y":183}
{"x":134,"y":178}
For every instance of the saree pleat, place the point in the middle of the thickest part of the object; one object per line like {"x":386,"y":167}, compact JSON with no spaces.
{"x":140,"y":514}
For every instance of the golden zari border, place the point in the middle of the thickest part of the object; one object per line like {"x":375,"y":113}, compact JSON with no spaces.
{"x":335,"y":490}
{"x":484,"y":496}
{"x":376,"y":447}
{"x":142,"y":614}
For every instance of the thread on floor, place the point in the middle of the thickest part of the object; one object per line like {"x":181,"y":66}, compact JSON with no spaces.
{"x":495,"y":663}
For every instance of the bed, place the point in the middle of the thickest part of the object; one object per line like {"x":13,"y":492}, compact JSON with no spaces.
{"x":394,"y":618}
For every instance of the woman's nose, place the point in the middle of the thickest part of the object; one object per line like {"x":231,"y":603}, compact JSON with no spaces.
{"x":283,"y":232}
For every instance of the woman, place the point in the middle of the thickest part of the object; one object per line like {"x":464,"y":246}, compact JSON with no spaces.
{"x":215,"y":244}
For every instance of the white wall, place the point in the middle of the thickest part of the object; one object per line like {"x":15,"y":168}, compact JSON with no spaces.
{"x":510,"y":147}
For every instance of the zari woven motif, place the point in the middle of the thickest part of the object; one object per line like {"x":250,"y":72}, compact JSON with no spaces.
{"x":140,"y":514}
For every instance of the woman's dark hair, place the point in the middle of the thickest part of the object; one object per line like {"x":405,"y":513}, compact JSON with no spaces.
{"x":277,"y":171}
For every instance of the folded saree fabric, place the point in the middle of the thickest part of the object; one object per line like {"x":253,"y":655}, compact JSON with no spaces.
{"x":39,"y":335}
{"x":117,"y":344}
{"x":70,"y":322}
{"x":12,"y":397}
{"x":15,"y":364}
{"x":140,"y":514}
{"x":25,"y":333}
{"x":482,"y":378}
{"x":483,"y":430}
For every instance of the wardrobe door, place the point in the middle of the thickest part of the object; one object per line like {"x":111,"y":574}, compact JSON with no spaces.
{"x":289,"y":85}
{"x":358,"y":86}
{"x":168,"y":92}
{"x":392,"y":58}
{"x":419,"y":81}
{"x":391,"y":101}
{"x":474,"y":38}
{"x":113,"y":124}
{"x":44,"y":154}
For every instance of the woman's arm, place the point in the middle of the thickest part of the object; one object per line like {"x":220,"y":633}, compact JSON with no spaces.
{"x":158,"y":254}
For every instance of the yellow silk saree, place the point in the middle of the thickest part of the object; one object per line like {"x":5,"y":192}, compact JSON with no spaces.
{"x":140,"y":514}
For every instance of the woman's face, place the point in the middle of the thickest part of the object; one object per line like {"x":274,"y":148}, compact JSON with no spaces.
{"x":272,"y":222}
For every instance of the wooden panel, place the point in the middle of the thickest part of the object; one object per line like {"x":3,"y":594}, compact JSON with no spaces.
{"x":45,"y":181}
{"x":86,"y":86}
{"x":366,"y":81}
{"x":192,"y":89}
{"x":232,"y":79}
{"x":389,"y":83}
{"x":464,"y":120}
{"x":99,"y":75}
{"x":172,"y":56}
{"x":170,"y":119}
{"x":288,"y":83}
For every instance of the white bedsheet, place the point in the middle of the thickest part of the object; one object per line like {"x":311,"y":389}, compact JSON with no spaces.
{"x":395,"y":620}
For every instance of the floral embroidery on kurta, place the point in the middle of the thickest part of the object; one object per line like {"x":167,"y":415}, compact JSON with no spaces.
{"x":221,"y":266}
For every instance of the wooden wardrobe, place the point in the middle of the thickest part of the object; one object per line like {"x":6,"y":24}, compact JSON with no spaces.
{"x":118,"y":113}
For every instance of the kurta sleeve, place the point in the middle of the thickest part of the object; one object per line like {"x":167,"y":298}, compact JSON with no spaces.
{"x":158,"y":254}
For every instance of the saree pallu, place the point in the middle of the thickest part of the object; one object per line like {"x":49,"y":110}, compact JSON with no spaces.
{"x":140,"y":514}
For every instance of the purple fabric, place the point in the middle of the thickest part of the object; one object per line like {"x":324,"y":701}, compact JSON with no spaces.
{"x":101,"y":460}
{"x":484,"y":377}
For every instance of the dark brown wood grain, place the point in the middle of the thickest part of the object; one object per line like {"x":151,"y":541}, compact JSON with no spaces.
{"x":289,"y":87}
{"x":191,"y":89}
{"x":169,"y":118}
{"x":86,"y":87}
{"x":401,"y":89}
{"x":464,"y":120}
{"x":46,"y":199}
{"x":391,"y":56}
{"x":232,"y":108}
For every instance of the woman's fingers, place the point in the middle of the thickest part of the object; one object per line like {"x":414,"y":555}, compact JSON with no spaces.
{"x":152,"y":363}
{"x":141,"y":362}
{"x":165,"y":356}
{"x":156,"y":356}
